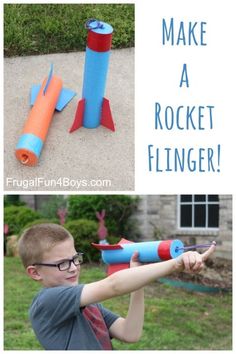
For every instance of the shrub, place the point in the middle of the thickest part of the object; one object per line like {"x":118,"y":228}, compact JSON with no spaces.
{"x":84,"y":233}
{"x":119,"y":209}
{"x":12,"y":199}
{"x":18,"y":216}
{"x":112,"y":239}
{"x":50,"y":208}
{"x":39,"y":221}
{"x":12,"y":249}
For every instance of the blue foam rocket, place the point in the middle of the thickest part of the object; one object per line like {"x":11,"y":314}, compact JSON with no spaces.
{"x":94,"y":109}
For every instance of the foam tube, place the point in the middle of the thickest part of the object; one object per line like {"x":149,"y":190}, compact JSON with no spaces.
{"x":149,"y":252}
{"x":37,"y":124}
{"x":95,"y":73}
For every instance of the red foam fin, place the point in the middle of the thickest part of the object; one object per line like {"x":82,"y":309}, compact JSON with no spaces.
{"x":107,"y":247}
{"x":106,"y":118}
{"x":79,"y":116}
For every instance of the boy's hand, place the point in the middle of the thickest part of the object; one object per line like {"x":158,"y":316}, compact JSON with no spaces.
{"x":193,"y":262}
{"x":134,"y":262}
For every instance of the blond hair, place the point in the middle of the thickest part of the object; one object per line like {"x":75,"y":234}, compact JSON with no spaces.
{"x":38,"y":239}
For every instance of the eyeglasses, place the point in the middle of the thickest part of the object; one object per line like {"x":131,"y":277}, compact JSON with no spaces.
{"x":65,"y":264}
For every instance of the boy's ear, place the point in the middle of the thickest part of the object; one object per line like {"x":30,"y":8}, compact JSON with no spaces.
{"x":33,"y":272}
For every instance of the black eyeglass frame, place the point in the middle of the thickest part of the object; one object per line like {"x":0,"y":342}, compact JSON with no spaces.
{"x":62,"y":261}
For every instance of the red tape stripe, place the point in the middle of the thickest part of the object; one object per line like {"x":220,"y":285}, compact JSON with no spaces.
{"x":99,"y":42}
{"x":164,"y":250}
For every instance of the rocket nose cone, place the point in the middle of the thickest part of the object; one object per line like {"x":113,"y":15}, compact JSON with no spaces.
{"x":99,"y":27}
{"x":105,"y":29}
{"x":99,"y":39}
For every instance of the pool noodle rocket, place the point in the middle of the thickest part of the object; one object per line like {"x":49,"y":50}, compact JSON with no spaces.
{"x":118,"y":256}
{"x":45,"y":99}
{"x":94,"y":109}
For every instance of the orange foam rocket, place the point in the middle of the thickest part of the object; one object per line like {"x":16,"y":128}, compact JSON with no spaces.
{"x":45,"y":99}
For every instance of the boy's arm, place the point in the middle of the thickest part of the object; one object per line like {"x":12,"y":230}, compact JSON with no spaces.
{"x":129,"y":329}
{"x":132,"y":279}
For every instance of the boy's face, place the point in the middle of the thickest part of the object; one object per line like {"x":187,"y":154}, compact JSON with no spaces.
{"x":52,"y":276}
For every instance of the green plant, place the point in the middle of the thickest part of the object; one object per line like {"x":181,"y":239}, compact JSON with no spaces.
{"x":84,"y":233}
{"x":13,"y":199}
{"x":18,"y":216}
{"x":119,"y":210}
{"x":11,"y":247}
{"x":111,"y":239}
{"x":54,"y":28}
{"x":50,"y":208}
{"x":39,"y":221}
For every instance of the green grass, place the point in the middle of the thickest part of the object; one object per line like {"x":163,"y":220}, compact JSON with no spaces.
{"x":174,"y":319}
{"x":54,"y":28}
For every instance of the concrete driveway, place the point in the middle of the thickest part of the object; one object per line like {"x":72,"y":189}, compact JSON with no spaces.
{"x":87,"y":159}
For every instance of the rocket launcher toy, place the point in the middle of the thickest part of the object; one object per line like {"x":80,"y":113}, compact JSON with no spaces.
{"x":94,"y":109}
{"x":45,"y":99}
{"x":118,"y":256}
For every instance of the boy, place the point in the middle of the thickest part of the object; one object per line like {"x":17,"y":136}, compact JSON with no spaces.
{"x":66,"y":315}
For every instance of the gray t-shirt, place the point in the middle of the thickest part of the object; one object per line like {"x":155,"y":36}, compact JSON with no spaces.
{"x":61,"y":324}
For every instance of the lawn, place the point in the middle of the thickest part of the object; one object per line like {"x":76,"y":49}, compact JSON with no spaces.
{"x":59,"y":28}
{"x":174,"y":319}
